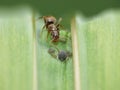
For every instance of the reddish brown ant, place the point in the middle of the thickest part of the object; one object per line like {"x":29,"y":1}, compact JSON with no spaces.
{"x":52,"y":27}
{"x":54,"y":31}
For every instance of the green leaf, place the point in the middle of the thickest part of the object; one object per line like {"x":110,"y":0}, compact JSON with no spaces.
{"x":16,"y":49}
{"x":26,"y":62}
{"x":52,"y":73}
{"x":99,"y":51}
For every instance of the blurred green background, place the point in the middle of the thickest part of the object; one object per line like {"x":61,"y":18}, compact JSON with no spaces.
{"x":65,"y":8}
{"x":62,"y":7}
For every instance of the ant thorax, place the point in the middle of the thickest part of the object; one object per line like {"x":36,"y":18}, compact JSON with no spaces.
{"x":52,"y":27}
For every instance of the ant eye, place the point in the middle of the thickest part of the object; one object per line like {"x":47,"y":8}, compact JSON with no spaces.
{"x":62,"y":55}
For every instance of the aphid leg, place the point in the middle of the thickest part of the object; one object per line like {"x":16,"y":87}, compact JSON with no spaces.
{"x":54,"y":55}
{"x":69,"y":53}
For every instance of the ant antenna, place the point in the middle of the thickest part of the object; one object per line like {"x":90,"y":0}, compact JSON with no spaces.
{"x":60,"y":19}
{"x":40,"y":17}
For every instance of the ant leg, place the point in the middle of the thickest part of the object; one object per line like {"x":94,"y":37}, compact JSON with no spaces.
{"x":52,"y":45}
{"x":48,"y":33}
{"x":66,"y":37}
{"x":42,"y":30}
{"x":59,"y":20}
{"x":63,"y":39}
{"x":43,"y":27}
{"x":58,"y":23}
{"x":69,"y":55}
{"x":61,"y":26}
{"x":39,"y":17}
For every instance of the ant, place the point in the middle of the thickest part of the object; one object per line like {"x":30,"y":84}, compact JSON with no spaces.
{"x":52,"y":27}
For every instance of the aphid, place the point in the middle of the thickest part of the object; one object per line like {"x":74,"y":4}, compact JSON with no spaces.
{"x":64,"y":55}
{"x":52,"y":52}
{"x":61,"y":55}
{"x":52,"y":26}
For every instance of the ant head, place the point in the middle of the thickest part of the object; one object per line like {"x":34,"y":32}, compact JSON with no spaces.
{"x":49,"y":20}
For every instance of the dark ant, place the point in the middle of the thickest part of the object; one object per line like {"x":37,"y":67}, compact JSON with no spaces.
{"x":52,"y":27}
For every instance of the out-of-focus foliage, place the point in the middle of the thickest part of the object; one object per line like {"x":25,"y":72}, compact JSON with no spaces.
{"x":99,"y":49}
{"x":16,"y":50}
